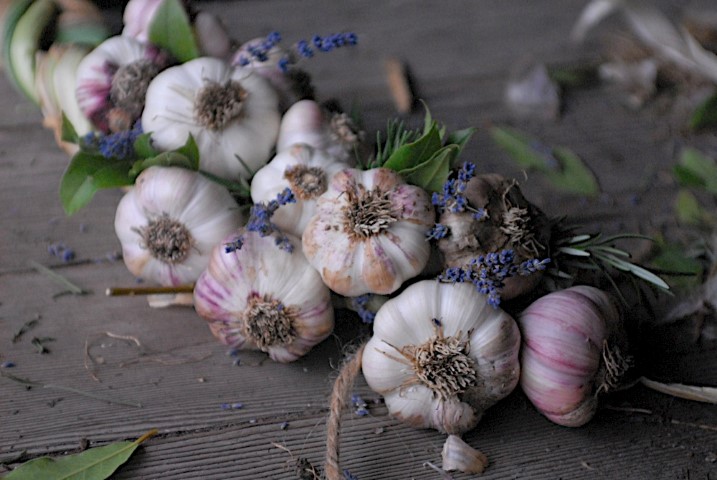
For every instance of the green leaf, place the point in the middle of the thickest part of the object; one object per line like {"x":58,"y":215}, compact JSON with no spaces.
{"x":574,"y":175}
{"x":415,"y":153}
{"x":94,"y":464}
{"x":705,"y":115}
{"x":172,"y":30}
{"x":143,"y":146}
{"x":432,"y":174}
{"x":696,"y":169}
{"x":69,"y":134}
{"x":191,"y":151}
{"x":460,"y":137}
{"x":165,"y":159}
{"x":561,"y":166}
{"x":86,"y":174}
{"x":688,"y":209}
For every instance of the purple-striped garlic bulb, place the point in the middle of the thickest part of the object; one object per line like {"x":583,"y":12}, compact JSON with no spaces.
{"x":369,"y":232}
{"x":112,"y":81}
{"x":261,"y":298}
{"x":307,"y":172}
{"x":169,"y":222}
{"x":441,"y":355}
{"x":574,"y":349}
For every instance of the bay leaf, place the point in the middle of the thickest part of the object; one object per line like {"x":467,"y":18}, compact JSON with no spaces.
{"x":96,"y":463}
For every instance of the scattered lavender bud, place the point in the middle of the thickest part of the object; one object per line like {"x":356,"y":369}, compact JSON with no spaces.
{"x":284,"y":425}
{"x":349,"y":476}
{"x":7,"y":364}
{"x":237,"y":406}
{"x":225,"y":406}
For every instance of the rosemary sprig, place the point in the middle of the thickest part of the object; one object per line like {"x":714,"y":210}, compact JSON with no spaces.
{"x":397,"y":135}
{"x":598,"y":252}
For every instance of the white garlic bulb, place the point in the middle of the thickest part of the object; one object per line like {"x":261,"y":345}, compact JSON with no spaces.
{"x":169,"y":222}
{"x":112,"y":81}
{"x":307,"y":172}
{"x":573,"y":350}
{"x":441,"y":355}
{"x":232,"y":113}
{"x":260,"y":297}
{"x":307,"y":122}
{"x":369,"y":232}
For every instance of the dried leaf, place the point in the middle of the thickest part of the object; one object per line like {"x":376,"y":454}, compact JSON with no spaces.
{"x":94,"y":464}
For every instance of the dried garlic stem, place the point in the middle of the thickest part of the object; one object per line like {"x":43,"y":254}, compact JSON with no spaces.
{"x":688,"y":392}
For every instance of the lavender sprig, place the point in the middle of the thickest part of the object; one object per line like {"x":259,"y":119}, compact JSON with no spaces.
{"x":259,"y":51}
{"x":119,"y":145}
{"x":489,"y":272}
{"x":260,"y":222}
{"x":452,"y":199}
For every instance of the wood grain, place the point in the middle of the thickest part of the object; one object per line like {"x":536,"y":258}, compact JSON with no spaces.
{"x":460,"y":53}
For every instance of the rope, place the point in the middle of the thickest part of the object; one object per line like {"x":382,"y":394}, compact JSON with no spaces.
{"x":339,"y":394}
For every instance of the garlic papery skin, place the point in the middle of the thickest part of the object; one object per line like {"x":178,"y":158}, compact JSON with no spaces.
{"x":369,"y":232}
{"x":307,"y":172}
{"x":169,"y":222}
{"x":441,"y":355}
{"x":232,"y":113}
{"x":260,"y":297}
{"x":573,"y":350}
{"x":307,"y":122}
{"x":458,"y":455}
{"x":112,"y":81}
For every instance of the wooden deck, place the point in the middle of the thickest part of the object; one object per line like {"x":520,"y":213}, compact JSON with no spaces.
{"x":460,"y":53}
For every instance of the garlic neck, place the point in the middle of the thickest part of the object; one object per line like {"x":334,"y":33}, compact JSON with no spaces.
{"x":267,"y":322}
{"x":217,"y":104}
{"x":306,"y":182}
{"x":368,"y":213}
{"x":442,"y":364}
{"x":166,"y":239}
{"x":129,"y":88}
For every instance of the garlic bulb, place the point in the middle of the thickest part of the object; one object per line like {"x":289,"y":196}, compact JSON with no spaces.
{"x":506,"y":221}
{"x":573,"y":350}
{"x":441,"y":355}
{"x":169,"y":222}
{"x":112,"y":81}
{"x":368,"y":235}
{"x":307,"y":122}
{"x":307,"y":172}
{"x":259,"y":297}
{"x":232,"y":114}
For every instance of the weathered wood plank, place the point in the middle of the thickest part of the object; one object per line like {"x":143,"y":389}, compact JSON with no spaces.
{"x":460,"y":53}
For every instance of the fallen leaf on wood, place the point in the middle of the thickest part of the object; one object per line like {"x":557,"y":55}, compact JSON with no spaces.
{"x":94,"y":464}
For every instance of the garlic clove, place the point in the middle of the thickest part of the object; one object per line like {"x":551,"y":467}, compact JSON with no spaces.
{"x":458,"y":455}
